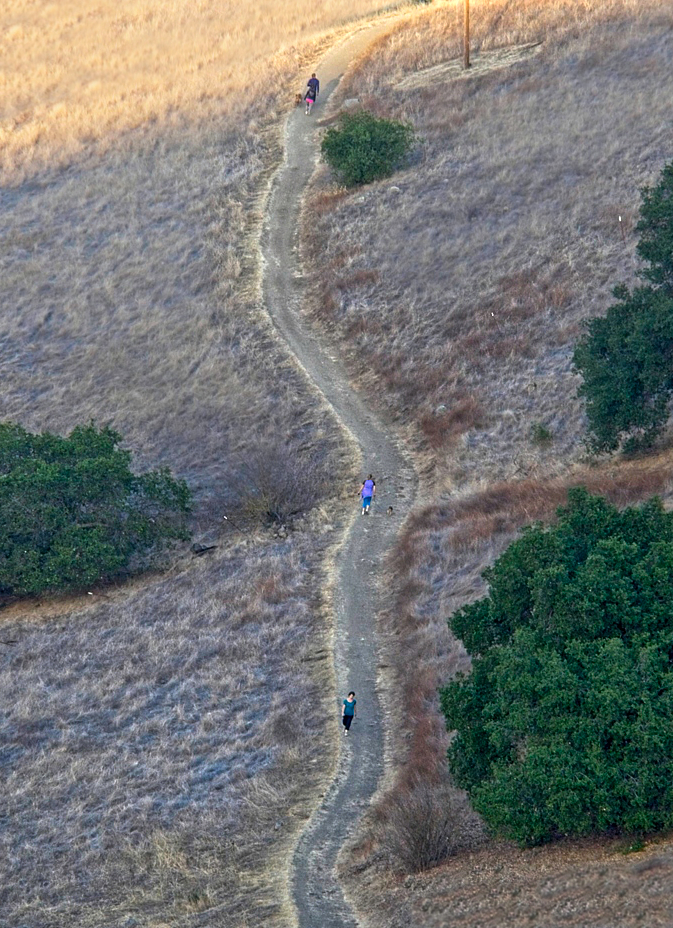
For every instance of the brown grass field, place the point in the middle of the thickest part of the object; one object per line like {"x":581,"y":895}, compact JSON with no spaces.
{"x":160,"y":742}
{"x":76,"y":74}
{"x":153,"y":751}
{"x":457,"y":289}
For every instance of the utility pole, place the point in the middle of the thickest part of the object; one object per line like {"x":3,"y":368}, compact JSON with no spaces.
{"x":466,"y":36}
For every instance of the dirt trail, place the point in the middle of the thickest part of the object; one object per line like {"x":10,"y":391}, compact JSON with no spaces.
{"x":316,"y":892}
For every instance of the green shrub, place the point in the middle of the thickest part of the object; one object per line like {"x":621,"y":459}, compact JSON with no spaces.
{"x":72,"y":513}
{"x":626,"y":361}
{"x":540,"y":434}
{"x":564,"y":723}
{"x":362,"y":148}
{"x":626,"y":358}
{"x":656,"y":231}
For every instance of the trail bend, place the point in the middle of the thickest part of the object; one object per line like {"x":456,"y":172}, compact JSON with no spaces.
{"x":316,"y":892}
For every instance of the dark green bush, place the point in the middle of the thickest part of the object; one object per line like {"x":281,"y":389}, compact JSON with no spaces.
{"x":626,"y":361}
{"x":362,"y":147}
{"x":626,"y":358}
{"x":656,"y":231}
{"x":564,"y":724}
{"x":72,"y":513}
{"x":540,"y":434}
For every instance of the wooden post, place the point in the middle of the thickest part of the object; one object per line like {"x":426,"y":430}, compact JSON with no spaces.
{"x":466,"y":37}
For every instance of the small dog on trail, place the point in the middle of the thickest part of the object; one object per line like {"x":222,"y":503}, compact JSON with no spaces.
{"x":298,"y":99}
{"x":390,"y":510}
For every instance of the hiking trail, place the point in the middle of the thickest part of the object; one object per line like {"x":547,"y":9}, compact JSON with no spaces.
{"x":316,"y":893}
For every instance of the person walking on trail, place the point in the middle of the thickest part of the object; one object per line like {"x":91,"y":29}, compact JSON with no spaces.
{"x":314,"y":84}
{"x":312,"y":91}
{"x":367,"y":492}
{"x":348,"y":711}
{"x":309,"y":99}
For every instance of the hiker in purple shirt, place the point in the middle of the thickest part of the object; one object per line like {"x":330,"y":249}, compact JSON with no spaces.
{"x":312,"y":91}
{"x":367,"y":492}
{"x":314,"y":84}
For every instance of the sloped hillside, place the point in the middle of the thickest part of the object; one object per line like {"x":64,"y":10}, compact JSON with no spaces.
{"x":150,"y":775}
{"x":458,"y":288}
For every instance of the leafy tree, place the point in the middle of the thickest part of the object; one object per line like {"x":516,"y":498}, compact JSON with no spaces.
{"x":564,"y":723}
{"x":656,"y":231}
{"x":72,"y":512}
{"x":362,"y":148}
{"x":626,"y":358}
{"x":626,"y":361}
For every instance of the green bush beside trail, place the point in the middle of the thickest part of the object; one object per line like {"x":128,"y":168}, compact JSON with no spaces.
{"x":72,"y":513}
{"x":362,"y":147}
{"x":564,"y":723}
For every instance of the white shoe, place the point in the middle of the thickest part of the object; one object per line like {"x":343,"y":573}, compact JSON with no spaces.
{"x":362,"y":511}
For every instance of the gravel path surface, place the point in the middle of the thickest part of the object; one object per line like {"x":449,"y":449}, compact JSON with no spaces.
{"x":317,"y":894}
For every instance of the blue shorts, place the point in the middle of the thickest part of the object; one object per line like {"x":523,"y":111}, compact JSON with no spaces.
{"x":366,"y":501}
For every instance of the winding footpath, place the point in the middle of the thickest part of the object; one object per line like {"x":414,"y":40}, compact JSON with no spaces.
{"x":317,"y":895}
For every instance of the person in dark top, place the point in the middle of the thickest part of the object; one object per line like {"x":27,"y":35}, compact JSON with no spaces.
{"x":348,"y":711}
{"x":312,"y":91}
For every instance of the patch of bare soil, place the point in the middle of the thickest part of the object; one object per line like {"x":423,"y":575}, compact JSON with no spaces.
{"x":480,"y":63}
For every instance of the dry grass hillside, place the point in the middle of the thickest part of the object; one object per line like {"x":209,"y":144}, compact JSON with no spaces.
{"x":153,"y":771}
{"x":152,"y":758}
{"x":125,"y":300}
{"x":75,"y":72}
{"x":460,"y":285}
{"x":437,"y":568}
{"x":458,"y":288}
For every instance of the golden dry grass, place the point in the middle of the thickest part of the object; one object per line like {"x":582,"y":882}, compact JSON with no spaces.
{"x":583,"y":884}
{"x":75,"y":73}
{"x":154,"y":772}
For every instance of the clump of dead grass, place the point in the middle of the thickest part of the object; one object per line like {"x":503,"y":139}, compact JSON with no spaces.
{"x":275,"y":484}
{"x":422,"y":824}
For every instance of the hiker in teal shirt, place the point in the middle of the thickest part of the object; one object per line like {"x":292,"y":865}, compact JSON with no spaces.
{"x":348,"y":711}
